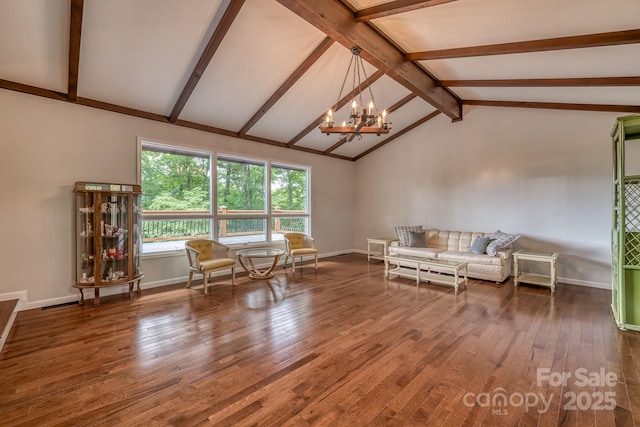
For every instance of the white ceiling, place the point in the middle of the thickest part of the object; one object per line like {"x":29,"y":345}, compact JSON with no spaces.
{"x":140,"y":55}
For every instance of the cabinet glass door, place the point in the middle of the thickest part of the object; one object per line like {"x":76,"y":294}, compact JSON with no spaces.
{"x":136,"y":242}
{"x":113,"y":226}
{"x":84,"y":238}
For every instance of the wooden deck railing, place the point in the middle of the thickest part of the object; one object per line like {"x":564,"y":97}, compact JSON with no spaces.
{"x":166,"y":229}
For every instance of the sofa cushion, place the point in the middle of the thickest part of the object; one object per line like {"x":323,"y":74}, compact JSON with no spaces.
{"x":499,"y":241}
{"x":470,"y":257}
{"x":419,"y":252}
{"x":417,"y":239}
{"x":403,"y":233}
{"x":479,"y":245}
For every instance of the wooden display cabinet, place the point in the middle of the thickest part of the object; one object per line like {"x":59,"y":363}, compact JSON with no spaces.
{"x":108,"y":237}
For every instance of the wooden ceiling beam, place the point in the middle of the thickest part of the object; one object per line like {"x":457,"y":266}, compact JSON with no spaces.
{"x":568,"y":82}
{"x":395,"y":7}
{"x":87,"y":102}
{"x":341,"y":103}
{"x":291,"y":80}
{"x":337,"y":21}
{"x":33,"y":90}
{"x":556,"y":106}
{"x":398,"y":134}
{"x":101,"y":105}
{"x":559,"y":43}
{"x":218,"y":35}
{"x":75,"y":33}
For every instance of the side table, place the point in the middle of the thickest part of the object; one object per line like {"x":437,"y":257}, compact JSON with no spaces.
{"x":384,"y":241}
{"x":535,"y":279}
{"x":246,"y":258}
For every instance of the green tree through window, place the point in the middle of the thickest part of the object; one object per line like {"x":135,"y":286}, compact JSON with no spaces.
{"x":288,"y":188}
{"x":241,"y":184}
{"x":174,"y":181}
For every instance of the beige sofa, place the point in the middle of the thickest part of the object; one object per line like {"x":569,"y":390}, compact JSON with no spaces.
{"x":454,"y":246}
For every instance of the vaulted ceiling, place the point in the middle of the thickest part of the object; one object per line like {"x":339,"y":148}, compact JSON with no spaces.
{"x":268,"y":70}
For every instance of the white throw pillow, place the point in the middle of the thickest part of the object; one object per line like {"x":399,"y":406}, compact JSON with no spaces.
{"x":500,"y":241}
{"x":403,"y":233}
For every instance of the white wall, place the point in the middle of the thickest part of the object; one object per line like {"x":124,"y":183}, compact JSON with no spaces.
{"x":540,"y":173}
{"x":543,"y":174}
{"x":46,"y":146}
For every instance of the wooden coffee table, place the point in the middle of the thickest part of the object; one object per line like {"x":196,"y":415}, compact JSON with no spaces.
{"x":246,"y":258}
{"x":427,"y":269}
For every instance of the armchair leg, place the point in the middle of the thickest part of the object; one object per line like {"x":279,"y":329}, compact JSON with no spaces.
{"x":190,"y":279}
{"x":293,"y":263}
{"x":316,"y":261}
{"x":205,"y":281}
{"x":286,"y":258}
{"x":233,"y":276}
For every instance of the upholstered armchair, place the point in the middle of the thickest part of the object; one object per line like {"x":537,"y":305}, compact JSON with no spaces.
{"x":206,"y":256}
{"x":299,"y":245}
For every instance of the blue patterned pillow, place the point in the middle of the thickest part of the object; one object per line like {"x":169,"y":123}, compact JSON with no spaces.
{"x":500,"y":241}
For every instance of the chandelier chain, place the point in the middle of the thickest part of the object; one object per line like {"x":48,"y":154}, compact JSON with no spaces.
{"x":373,"y":100}
{"x":344,"y":81}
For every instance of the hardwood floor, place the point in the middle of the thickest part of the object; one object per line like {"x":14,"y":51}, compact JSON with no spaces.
{"x":340,"y":346}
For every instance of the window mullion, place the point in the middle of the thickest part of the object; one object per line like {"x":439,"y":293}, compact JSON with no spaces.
{"x":267,"y":179}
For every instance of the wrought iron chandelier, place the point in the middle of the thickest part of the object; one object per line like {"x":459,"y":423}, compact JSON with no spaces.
{"x":362,"y":119}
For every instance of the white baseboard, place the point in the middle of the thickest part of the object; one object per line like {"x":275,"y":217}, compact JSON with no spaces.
{"x":21,"y":296}
{"x":569,"y":281}
{"x":173,"y":281}
{"x":598,"y":285}
{"x":7,"y":328}
{"x":25,"y":304}
{"x":52,"y":301}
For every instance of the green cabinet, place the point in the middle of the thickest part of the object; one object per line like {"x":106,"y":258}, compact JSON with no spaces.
{"x":625,"y":234}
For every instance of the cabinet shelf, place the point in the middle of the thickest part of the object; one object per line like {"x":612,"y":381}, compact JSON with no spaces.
{"x":103,"y":211}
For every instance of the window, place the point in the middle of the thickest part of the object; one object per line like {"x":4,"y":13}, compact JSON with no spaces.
{"x":191,"y":194}
{"x":289,"y":200}
{"x":241,"y":201}
{"x":176,"y":196}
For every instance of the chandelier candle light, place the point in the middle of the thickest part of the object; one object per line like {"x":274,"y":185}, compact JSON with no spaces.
{"x":361,"y":119}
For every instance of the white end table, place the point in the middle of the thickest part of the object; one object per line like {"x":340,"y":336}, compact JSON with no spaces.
{"x":536,"y":279}
{"x":384,"y":241}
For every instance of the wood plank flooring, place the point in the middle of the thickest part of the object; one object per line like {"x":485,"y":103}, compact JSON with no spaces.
{"x":341,"y":346}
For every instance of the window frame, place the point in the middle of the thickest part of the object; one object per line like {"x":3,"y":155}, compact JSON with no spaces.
{"x":307,"y":214}
{"x":214,"y":215}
